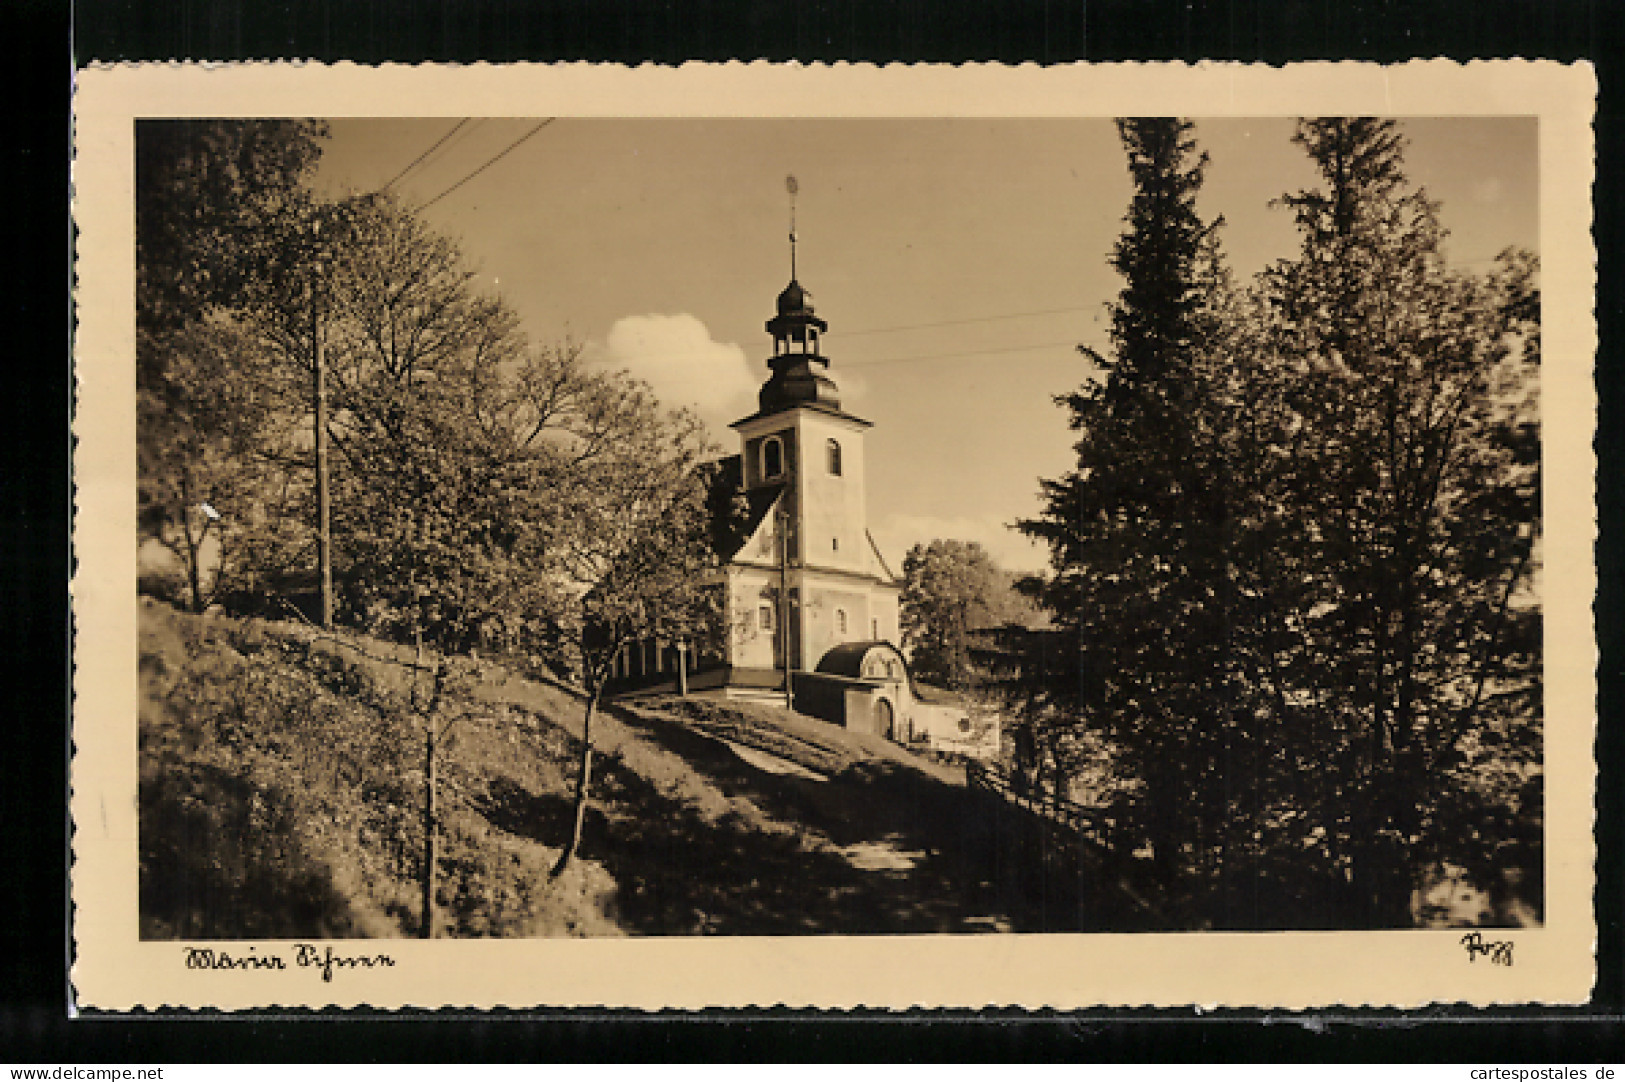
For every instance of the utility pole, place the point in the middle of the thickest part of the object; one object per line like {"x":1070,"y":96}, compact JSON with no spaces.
{"x":784,"y":595}
{"x":682,"y":667}
{"x":324,"y":509}
{"x":431,"y":782}
{"x":431,"y":774}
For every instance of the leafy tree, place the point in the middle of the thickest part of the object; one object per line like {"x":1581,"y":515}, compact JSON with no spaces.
{"x":1138,"y":530}
{"x":951,"y":589}
{"x":635,"y":548}
{"x":209,"y":492}
{"x":1406,"y":391}
{"x":205,"y":192}
{"x":437,"y":415}
{"x":207,"y":400}
{"x":485,"y":491}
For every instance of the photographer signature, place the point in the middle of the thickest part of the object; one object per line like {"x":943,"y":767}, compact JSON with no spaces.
{"x":1499,"y":951}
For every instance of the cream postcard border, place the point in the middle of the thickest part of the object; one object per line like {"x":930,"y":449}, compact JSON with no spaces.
{"x":115,"y":970}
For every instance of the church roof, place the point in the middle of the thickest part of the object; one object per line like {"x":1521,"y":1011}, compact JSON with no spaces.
{"x":885,"y":568}
{"x":819,"y":407}
{"x":729,"y":530}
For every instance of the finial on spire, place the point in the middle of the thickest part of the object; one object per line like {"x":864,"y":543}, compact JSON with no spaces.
{"x":792,"y":187}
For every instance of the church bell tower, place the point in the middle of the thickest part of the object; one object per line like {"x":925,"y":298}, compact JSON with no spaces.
{"x":804,"y":451}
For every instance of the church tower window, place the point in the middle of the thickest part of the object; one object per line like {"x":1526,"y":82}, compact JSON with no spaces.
{"x":834,"y":449}
{"x":772,"y":458}
{"x":764,"y":617}
{"x":840,"y":622}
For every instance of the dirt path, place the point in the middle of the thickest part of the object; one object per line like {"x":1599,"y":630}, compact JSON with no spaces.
{"x":711,"y":835}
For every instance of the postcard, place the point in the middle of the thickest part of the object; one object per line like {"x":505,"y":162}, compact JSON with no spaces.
{"x":745,"y":535}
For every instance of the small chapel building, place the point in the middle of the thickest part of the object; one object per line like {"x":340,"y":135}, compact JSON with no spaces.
{"x":810,"y":605}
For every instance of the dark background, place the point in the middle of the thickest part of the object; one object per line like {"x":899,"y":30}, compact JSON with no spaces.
{"x":46,"y":41}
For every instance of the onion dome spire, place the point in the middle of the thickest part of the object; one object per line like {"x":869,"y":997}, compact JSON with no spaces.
{"x":796,"y":331}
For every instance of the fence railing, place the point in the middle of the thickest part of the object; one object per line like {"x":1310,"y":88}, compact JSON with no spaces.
{"x":1088,"y":824}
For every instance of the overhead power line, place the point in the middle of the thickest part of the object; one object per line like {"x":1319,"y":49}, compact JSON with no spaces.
{"x":1073,"y":344}
{"x":504,"y":152}
{"x":971,"y":319}
{"x":451,"y":146}
{"x":413,"y":164}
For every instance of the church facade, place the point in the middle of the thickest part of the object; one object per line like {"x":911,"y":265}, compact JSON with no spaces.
{"x":807,"y":576}
{"x":811,"y":609}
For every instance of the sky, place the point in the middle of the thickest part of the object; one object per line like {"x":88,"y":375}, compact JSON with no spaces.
{"x":959,"y":263}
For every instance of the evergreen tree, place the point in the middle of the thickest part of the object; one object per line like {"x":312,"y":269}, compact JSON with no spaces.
{"x":1408,"y":489}
{"x":1295,"y":563}
{"x":1138,"y":529}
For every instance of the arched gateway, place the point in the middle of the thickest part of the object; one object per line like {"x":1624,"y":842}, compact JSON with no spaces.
{"x":874,"y":671}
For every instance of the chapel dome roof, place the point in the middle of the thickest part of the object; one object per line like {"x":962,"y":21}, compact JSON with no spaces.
{"x":795,"y":300}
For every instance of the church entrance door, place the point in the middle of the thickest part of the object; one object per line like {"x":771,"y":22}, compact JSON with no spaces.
{"x":885,"y":724}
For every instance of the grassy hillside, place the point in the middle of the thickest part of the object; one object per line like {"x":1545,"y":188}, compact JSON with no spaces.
{"x":282,"y":786}
{"x":282,"y":794}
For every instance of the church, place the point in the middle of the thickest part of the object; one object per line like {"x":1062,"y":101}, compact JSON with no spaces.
{"x":808,"y":577}
{"x":810,"y":605}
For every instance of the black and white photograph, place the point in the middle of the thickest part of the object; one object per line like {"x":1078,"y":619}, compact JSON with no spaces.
{"x":573,"y":526}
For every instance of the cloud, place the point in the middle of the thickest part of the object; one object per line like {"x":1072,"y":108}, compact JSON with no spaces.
{"x":677,"y":357}
{"x":896,"y":533}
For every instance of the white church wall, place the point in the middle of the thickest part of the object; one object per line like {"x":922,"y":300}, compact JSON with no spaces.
{"x":833,"y":510}
{"x":840,"y":590}
{"x":825,"y":608}
{"x":951,"y":727}
{"x":883,"y":615}
{"x":749,"y":590}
